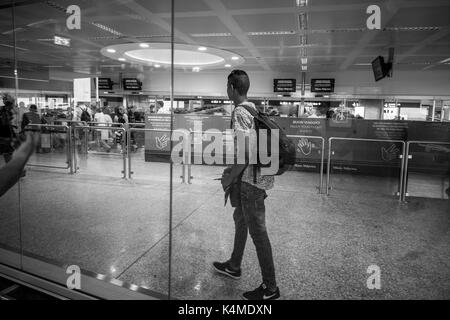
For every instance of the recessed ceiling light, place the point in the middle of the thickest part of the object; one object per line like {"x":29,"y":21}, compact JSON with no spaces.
{"x":302,"y":3}
{"x":304,"y":60}
{"x":122,"y":59}
{"x":202,"y":49}
{"x":157,"y":66}
{"x":304,"y":68}
{"x":144,"y":45}
{"x":111,"y":50}
{"x":228,"y":66}
{"x":195,"y":69}
{"x":234,"y":58}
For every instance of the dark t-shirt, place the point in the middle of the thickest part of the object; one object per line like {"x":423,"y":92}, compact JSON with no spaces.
{"x":5,"y":124}
{"x":30,"y":118}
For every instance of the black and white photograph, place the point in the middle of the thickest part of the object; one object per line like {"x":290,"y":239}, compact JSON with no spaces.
{"x":217,"y":152}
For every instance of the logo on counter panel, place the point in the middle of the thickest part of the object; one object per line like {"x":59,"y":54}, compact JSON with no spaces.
{"x":162,"y":142}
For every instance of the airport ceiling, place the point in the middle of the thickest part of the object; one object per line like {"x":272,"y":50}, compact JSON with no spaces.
{"x":272,"y":35}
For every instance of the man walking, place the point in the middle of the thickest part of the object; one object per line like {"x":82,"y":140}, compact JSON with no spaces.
{"x":249,"y":214}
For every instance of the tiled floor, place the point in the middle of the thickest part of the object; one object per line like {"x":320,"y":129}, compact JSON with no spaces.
{"x":322,"y":245}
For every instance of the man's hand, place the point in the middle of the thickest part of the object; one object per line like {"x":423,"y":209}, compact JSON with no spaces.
{"x":29,"y":145}
{"x":12,"y":171}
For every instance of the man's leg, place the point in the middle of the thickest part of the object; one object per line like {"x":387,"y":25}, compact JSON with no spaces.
{"x":232,"y":267}
{"x":254,"y":213}
{"x":240,"y":238}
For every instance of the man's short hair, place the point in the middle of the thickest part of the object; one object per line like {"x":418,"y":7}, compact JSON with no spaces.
{"x":240,"y":81}
{"x":33,"y":107}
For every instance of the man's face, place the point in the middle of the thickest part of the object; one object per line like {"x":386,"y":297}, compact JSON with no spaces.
{"x":230,"y":91}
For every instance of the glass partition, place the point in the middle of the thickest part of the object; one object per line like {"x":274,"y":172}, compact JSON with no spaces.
{"x":80,"y":209}
{"x":134,"y":104}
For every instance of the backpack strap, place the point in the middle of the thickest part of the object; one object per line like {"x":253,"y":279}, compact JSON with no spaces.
{"x":253,"y":112}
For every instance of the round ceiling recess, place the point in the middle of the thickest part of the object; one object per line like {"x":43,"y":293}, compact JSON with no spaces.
{"x":185,"y":56}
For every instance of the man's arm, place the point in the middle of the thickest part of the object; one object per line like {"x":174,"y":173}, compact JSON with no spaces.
{"x":242,"y":124}
{"x":11,"y":172}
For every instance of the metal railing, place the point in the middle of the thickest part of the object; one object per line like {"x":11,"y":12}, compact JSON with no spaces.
{"x":72,"y":128}
{"x":106,"y":124}
{"x":402,"y":156}
{"x":406,"y":163}
{"x":68,"y":139}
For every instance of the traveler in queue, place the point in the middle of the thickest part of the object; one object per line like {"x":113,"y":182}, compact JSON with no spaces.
{"x":32,"y":117}
{"x":102,"y":135}
{"x":7,"y":134}
{"x":122,"y":118}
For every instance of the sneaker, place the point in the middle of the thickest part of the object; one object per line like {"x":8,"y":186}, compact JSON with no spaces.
{"x":261,"y":293}
{"x":224,"y":268}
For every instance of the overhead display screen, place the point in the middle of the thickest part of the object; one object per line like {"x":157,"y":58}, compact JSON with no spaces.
{"x":105,"y":84}
{"x":322,"y":85}
{"x":284,"y":85}
{"x":378,"y":67}
{"x":132,"y":84}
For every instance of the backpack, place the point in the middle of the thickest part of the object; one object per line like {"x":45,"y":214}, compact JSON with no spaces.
{"x":286,"y":146}
{"x":121,"y":118}
{"x":85,"y":116}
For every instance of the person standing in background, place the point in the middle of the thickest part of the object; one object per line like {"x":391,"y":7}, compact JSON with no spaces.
{"x":102,"y":134}
{"x":32,"y":117}
{"x":7,"y":133}
{"x":122,"y":118}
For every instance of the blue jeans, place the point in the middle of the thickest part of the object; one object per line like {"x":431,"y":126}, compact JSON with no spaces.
{"x":250,"y":217}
